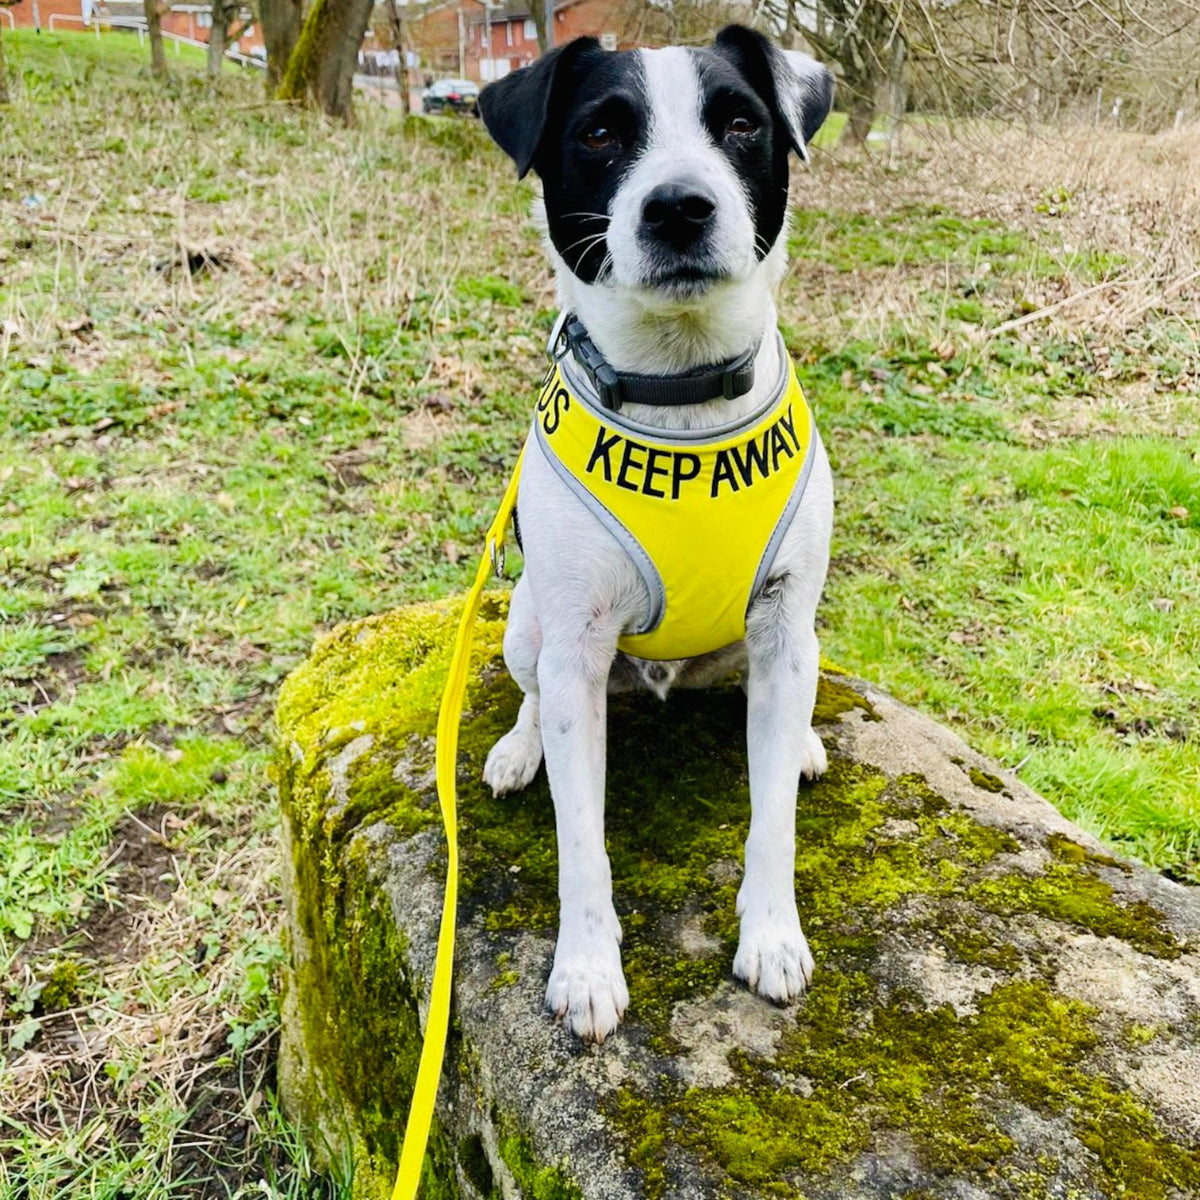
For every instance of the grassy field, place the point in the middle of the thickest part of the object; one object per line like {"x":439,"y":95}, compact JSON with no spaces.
{"x":258,"y":375}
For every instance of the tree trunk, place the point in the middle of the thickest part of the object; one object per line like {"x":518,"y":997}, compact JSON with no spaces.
{"x":396,"y":23}
{"x":788,"y":37}
{"x":321,"y":69}
{"x":860,"y":87}
{"x":897,"y":96}
{"x":862,"y":114}
{"x":545,"y":35}
{"x":1030,"y":97}
{"x":858,"y":36}
{"x":3,"y":73}
{"x":158,"y":58}
{"x":217,"y":37}
{"x":823,"y":30}
{"x":281,"y":21}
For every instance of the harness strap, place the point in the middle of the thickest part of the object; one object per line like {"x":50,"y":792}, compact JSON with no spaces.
{"x":433,"y":1049}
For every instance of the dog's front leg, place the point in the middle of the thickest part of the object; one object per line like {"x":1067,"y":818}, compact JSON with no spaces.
{"x":587,"y":986}
{"x":773,"y":955}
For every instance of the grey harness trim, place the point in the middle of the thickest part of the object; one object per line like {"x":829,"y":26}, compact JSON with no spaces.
{"x":641,"y":560}
{"x":785,"y":519}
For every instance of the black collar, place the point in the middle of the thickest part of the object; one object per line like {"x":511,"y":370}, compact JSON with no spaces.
{"x":729,"y":379}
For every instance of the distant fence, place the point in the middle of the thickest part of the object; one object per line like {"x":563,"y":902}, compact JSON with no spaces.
{"x":140,"y":24}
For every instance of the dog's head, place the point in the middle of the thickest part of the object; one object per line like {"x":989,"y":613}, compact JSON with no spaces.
{"x":664,"y":172}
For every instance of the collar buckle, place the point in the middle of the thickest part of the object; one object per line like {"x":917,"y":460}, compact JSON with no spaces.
{"x":738,"y":376}
{"x":599,"y":370}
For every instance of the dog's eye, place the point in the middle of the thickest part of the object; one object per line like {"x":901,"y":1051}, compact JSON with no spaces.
{"x":741,"y":127}
{"x":600,"y":137}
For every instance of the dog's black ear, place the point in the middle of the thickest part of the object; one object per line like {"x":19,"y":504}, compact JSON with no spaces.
{"x":515,"y":108}
{"x":797,"y":89}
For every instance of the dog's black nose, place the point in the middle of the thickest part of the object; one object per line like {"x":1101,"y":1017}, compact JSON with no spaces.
{"x":678,"y":213}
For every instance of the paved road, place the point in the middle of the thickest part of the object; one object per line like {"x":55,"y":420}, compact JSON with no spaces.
{"x":383,"y":89}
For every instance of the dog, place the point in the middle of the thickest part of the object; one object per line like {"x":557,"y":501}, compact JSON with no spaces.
{"x":664,"y":197}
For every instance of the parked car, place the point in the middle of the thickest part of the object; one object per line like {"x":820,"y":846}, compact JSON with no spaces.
{"x":451,"y":95}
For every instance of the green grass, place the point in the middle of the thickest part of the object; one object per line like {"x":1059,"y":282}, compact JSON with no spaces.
{"x":200,"y":472}
{"x":1043,"y":600}
{"x":910,"y":235}
{"x":66,"y":61}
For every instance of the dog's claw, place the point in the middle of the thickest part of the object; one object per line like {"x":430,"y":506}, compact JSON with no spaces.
{"x":773,"y":958}
{"x":815,"y":761}
{"x":587,"y":991}
{"x":513,"y":761}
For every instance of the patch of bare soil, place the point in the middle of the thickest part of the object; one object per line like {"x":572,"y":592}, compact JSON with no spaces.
{"x":141,"y":852}
{"x":133,"y":1011}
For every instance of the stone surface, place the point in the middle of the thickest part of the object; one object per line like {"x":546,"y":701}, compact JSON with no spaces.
{"x":1000,"y":1008}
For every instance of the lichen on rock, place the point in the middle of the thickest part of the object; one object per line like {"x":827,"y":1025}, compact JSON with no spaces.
{"x":958,"y":1039}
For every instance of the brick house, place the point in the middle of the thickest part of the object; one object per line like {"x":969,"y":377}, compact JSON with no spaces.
{"x":463,"y":38}
{"x":438,"y":35}
{"x":36,"y":14}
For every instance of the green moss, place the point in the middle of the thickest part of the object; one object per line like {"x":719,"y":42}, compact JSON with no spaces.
{"x":535,"y":1181}
{"x":361,"y":1029}
{"x":300,"y":77}
{"x":1068,"y":851}
{"x":1072,"y":893}
{"x":1142,"y":1035}
{"x":835,"y":698}
{"x":506,"y":976}
{"x":850,"y":865}
{"x":473,"y":1159}
{"x":650,"y":1122}
{"x":63,"y":987}
{"x":368,"y":690}
{"x":758,"y":1138}
{"x":382,"y":676}
{"x":853,"y":1068}
{"x":979,"y":949}
{"x":984,"y":780}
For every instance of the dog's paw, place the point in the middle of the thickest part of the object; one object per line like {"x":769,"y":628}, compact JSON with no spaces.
{"x":513,"y":761}
{"x":814,"y":761}
{"x":773,"y":958}
{"x":587,"y":989}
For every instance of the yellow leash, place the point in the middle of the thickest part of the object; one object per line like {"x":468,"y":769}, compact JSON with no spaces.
{"x":433,"y":1050}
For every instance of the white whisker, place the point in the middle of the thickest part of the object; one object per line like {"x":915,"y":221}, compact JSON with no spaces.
{"x":591,"y":240}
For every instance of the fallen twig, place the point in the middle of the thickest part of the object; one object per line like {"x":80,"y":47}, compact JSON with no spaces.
{"x":1050,"y":309}
{"x":1169,"y":290}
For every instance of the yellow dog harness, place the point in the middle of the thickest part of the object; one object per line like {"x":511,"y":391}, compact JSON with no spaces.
{"x":701,"y":514}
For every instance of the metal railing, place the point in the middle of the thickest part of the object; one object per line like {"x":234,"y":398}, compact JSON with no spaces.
{"x":12,"y":21}
{"x":140,"y":24}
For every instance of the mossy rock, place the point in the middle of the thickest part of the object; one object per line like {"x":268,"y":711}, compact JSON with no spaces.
{"x":1000,"y":1008}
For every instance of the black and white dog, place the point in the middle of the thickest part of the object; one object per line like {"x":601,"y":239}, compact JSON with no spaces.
{"x":665,"y":189}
